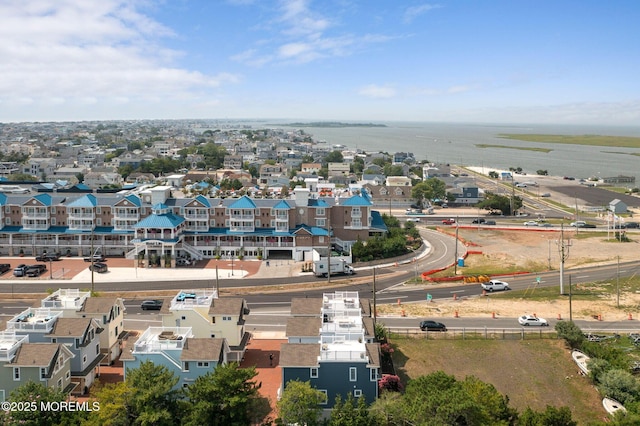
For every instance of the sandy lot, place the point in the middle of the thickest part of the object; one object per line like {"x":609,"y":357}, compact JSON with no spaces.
{"x":535,"y":250}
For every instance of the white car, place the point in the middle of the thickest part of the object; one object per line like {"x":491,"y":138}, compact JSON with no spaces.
{"x":413,"y":219}
{"x":531,"y":223}
{"x":495,"y":285}
{"x":527,"y":320}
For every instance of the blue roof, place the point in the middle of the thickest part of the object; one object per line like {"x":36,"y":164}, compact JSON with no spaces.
{"x":134,"y":199}
{"x":160,"y":206}
{"x":3,"y":198}
{"x":313,"y":230}
{"x":82,"y":186}
{"x":318,"y":203}
{"x":377,"y":221}
{"x":357,"y":200}
{"x":203,"y":200}
{"x":44,"y":199}
{"x":167,"y":220}
{"x":282,"y":205}
{"x":88,"y":200}
{"x":243,"y":202}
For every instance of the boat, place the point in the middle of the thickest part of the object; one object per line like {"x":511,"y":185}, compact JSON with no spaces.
{"x":611,"y":406}
{"x":581,"y":359}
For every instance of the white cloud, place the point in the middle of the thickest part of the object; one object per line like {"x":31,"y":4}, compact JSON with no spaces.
{"x":82,"y":53}
{"x":377,"y":92}
{"x":413,"y":12}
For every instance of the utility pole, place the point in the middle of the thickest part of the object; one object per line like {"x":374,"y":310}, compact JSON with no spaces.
{"x":375,"y":309}
{"x":618,"y":284}
{"x":455,"y":261}
{"x":563,"y":250}
{"x":570,"y":309}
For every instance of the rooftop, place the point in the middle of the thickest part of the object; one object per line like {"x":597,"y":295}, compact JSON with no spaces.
{"x":159,"y":339}
{"x":66,"y":298}
{"x":9,"y":344}
{"x":34,"y":319}
{"x":189,"y":299}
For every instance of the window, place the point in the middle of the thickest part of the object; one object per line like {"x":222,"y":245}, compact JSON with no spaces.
{"x":374,"y":374}
{"x":183,"y":318}
{"x":67,"y":375}
{"x":320,"y":211}
{"x":43,"y":373}
{"x":16,"y":373}
{"x":314,"y":373}
{"x":326,"y":397}
{"x":59,"y":384}
{"x":213,"y":320}
{"x":185,"y":366}
{"x":203,"y":364}
{"x":321,"y":223}
{"x":357,"y":393}
{"x":226,"y":318}
{"x":353,"y":374}
{"x":54,"y":340}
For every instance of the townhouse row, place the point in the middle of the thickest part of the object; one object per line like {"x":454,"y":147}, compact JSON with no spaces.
{"x":158,"y":226}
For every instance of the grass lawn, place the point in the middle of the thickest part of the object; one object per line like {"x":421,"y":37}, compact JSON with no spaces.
{"x":533,"y":373}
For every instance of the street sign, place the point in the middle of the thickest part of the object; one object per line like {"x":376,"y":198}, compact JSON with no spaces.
{"x":429,"y":297}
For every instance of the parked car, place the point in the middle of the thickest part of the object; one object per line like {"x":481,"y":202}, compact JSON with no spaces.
{"x":531,"y":223}
{"x":448,"y":221}
{"x":20,"y":270}
{"x":490,"y":222}
{"x":47,"y":257}
{"x":478,"y":220}
{"x":413,"y":219}
{"x":35,"y":270}
{"x":432,"y":326}
{"x":151,"y":305}
{"x":4,"y":267}
{"x":527,"y":320}
{"x":578,"y":224}
{"x":588,"y":225}
{"x":632,"y":225}
{"x":95,"y":258}
{"x":545,"y":194}
{"x":495,"y":285}
{"x":99,"y":267}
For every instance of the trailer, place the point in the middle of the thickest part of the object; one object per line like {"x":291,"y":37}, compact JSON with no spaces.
{"x":338,"y":266}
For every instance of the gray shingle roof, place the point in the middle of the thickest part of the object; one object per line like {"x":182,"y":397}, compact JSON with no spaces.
{"x":299,"y":355}
{"x":304,"y":327}
{"x":202,"y":349}
{"x":306,"y":307}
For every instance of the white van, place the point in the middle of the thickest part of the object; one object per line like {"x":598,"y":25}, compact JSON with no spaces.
{"x":495,"y":285}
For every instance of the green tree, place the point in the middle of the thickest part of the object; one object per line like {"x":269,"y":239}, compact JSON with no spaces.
{"x":152,"y":400}
{"x":351,"y":413}
{"x":300,"y":404}
{"x":571,"y":333}
{"x":222,"y":397}
{"x":35,"y":394}
{"x":619,"y":385}
{"x":428,"y":190}
{"x":113,"y":399}
{"x":22,"y":177}
{"x":500,"y":202}
{"x":393,"y":170}
{"x":334,"y":157}
{"x":551,"y":416}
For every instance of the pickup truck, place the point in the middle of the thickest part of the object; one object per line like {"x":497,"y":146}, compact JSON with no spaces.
{"x":448,"y":221}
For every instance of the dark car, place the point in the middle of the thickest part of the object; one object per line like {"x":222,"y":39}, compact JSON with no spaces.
{"x":479,"y":220}
{"x":588,"y":225}
{"x":4,"y":267}
{"x":432,"y":326}
{"x":151,"y":305}
{"x":490,"y":222}
{"x":47,"y":257}
{"x":35,"y":270}
{"x":99,"y":267}
{"x":632,"y":225}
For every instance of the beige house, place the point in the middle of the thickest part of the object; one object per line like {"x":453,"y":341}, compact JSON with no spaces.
{"x":209,"y":316}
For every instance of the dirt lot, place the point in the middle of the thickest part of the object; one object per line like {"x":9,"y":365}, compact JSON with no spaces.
{"x":530,"y":250}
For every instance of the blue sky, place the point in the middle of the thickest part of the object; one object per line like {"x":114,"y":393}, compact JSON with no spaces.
{"x":544,"y":61}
